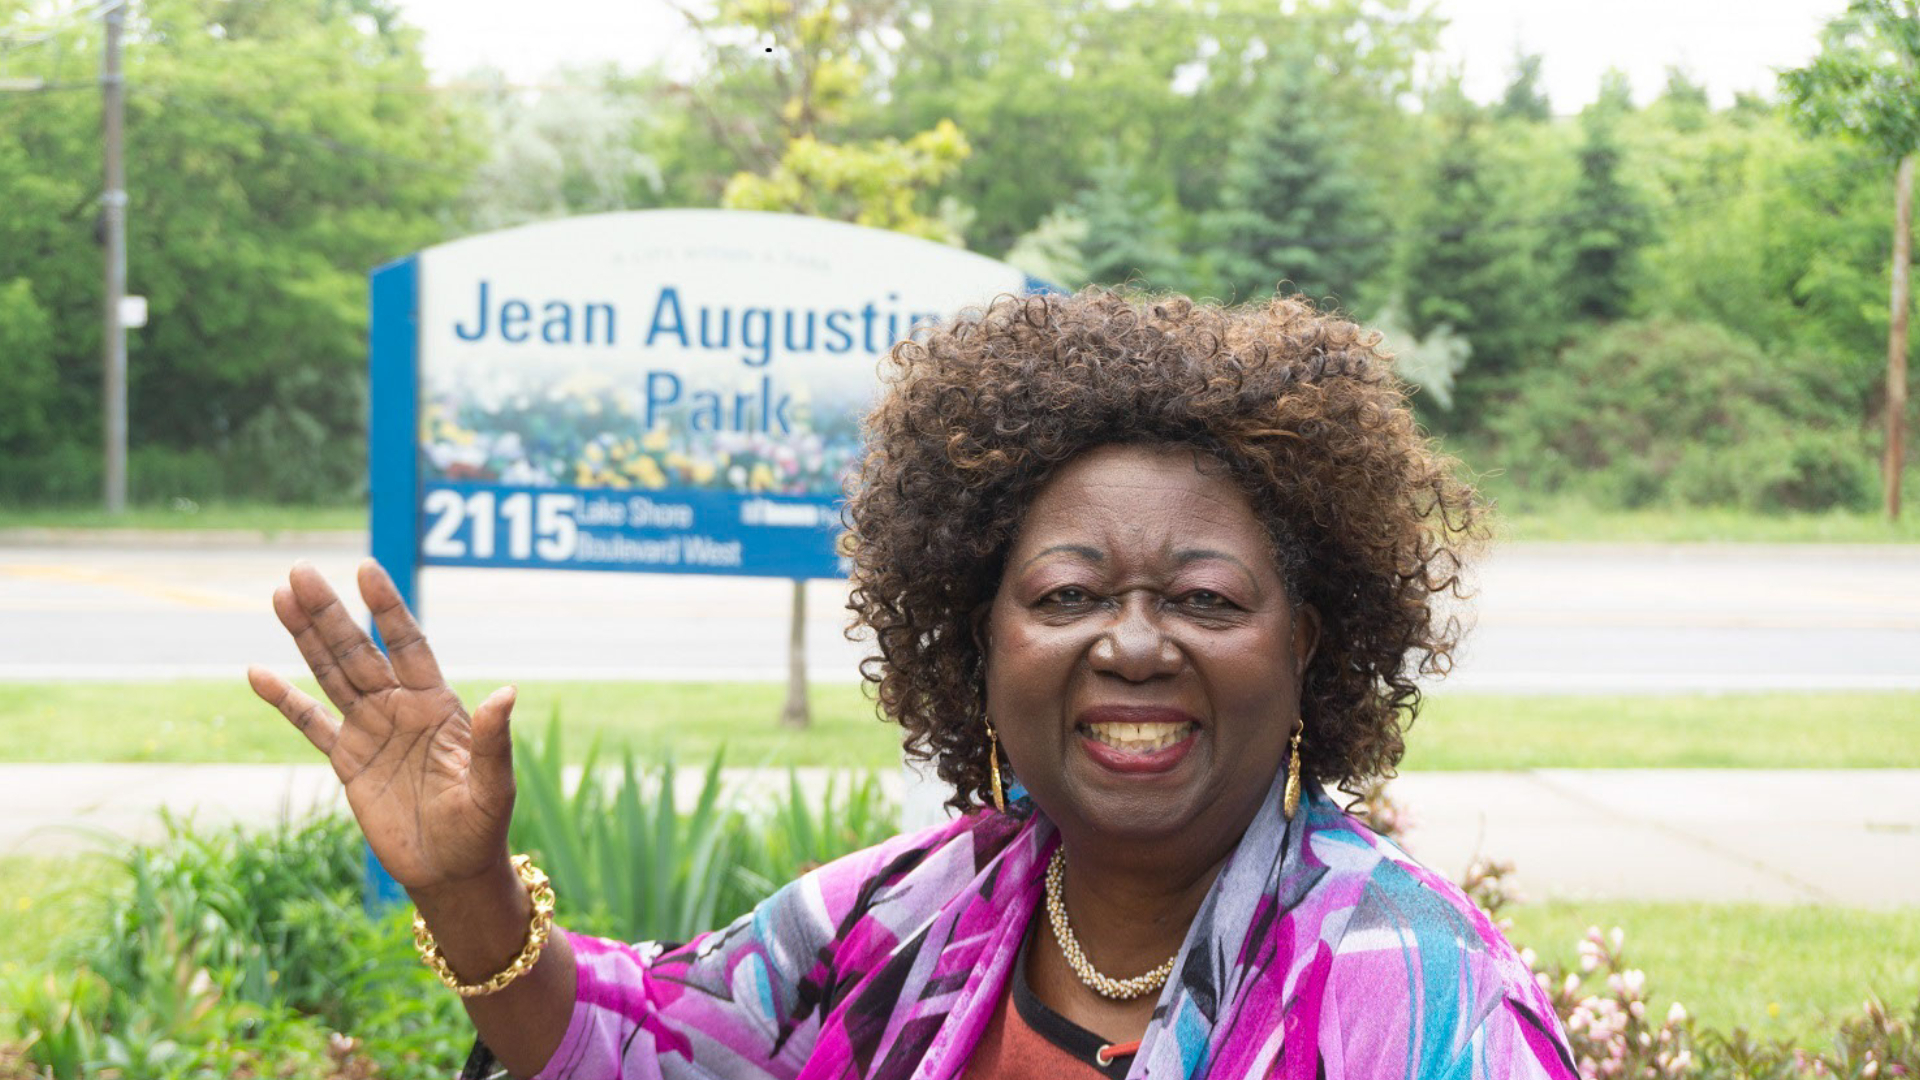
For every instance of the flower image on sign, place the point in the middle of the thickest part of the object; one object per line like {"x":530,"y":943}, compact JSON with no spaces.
{"x":666,"y":390}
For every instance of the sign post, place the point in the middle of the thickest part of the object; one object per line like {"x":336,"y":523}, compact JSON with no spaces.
{"x":662,"y":391}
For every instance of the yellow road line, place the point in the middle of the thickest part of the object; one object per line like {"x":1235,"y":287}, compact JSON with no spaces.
{"x":185,"y":596}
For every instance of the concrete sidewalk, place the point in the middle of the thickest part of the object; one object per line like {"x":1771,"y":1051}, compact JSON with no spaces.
{"x":1847,"y":837}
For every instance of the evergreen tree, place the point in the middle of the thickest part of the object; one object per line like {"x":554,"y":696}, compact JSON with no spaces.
{"x":1129,"y":233}
{"x":1684,"y":101}
{"x":1295,"y":206}
{"x":1053,"y":250}
{"x":1471,"y":269}
{"x":1616,"y":93}
{"x":1524,"y":99}
{"x":1604,"y":226}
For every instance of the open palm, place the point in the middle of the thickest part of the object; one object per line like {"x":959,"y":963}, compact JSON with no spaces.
{"x":431,"y":785}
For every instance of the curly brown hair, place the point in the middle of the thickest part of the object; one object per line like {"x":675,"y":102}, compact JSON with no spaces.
{"x":1368,"y":522}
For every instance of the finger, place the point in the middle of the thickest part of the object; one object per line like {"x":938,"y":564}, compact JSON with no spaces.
{"x":492,"y":773}
{"x":333,"y":682}
{"x":407,"y":649}
{"x":305,"y":713}
{"x":356,"y":654}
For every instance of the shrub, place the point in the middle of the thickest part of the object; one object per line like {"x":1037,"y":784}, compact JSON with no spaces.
{"x":214,"y":945}
{"x":231,"y":953}
{"x":1686,"y":413}
{"x":626,"y":863}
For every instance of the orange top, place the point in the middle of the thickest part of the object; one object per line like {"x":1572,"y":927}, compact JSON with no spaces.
{"x":1027,"y":1039}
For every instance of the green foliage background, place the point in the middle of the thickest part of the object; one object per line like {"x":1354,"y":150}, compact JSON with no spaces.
{"x":276,"y":151}
{"x":1520,"y":259}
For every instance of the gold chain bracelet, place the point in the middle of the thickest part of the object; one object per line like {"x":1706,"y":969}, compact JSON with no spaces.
{"x":541,"y":890}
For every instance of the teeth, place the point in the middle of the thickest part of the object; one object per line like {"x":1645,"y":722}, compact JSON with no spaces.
{"x":1139,"y":738}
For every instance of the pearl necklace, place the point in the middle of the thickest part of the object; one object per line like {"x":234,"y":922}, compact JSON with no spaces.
{"x":1115,"y":989}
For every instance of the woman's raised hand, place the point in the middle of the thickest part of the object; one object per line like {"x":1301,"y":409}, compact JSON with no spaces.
{"x":431,"y":786}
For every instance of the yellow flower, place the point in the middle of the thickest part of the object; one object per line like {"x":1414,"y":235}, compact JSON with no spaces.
{"x":703,"y":472}
{"x":650,"y":474}
{"x":762,"y":477}
{"x":23,"y":903}
{"x":594,"y":453}
{"x":1773,"y":1008}
{"x":582,"y":476}
{"x":617,"y":481}
{"x":462,"y":437}
{"x":678,"y":460}
{"x":656,"y":439}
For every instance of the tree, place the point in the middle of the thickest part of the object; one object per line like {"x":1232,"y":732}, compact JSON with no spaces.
{"x":1616,"y":93}
{"x":1294,"y":206}
{"x":1056,"y":88}
{"x":1777,"y":236}
{"x":1050,"y":251}
{"x":1469,"y":267}
{"x":871,"y":184}
{"x":1130,"y":232}
{"x":26,"y":368}
{"x":1603,"y":226}
{"x":573,"y":149}
{"x":1684,"y":101}
{"x":1862,"y":85}
{"x":277,"y":151}
{"x":1046,"y":91}
{"x":1524,"y":99}
{"x":810,"y":84}
{"x":781,"y":70}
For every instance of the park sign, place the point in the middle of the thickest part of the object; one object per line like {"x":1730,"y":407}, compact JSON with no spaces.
{"x":658,"y":391}
{"x":655,"y":391}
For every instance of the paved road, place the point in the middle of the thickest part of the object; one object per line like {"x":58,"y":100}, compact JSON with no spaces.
{"x":1550,"y":618}
{"x":1796,"y":836}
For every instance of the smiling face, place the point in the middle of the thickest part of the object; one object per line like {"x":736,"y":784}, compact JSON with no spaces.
{"x":1143,"y":660}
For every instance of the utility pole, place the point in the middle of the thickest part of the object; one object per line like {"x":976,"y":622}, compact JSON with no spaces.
{"x":796,"y":714}
{"x":1897,"y":334}
{"x":114,"y":205}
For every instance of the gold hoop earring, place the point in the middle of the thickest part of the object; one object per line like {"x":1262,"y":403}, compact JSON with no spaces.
{"x":993,"y":761}
{"x":1291,"y":804}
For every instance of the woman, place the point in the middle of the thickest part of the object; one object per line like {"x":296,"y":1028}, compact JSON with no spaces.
{"x":1170,"y":565}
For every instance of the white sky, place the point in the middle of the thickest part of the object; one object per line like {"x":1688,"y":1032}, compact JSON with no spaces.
{"x":1727,"y":44}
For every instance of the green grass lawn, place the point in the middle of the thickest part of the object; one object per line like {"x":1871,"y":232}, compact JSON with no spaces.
{"x":1774,"y":730}
{"x":197,"y":720}
{"x":268,"y":517}
{"x":222,"y":721}
{"x":1778,"y":971}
